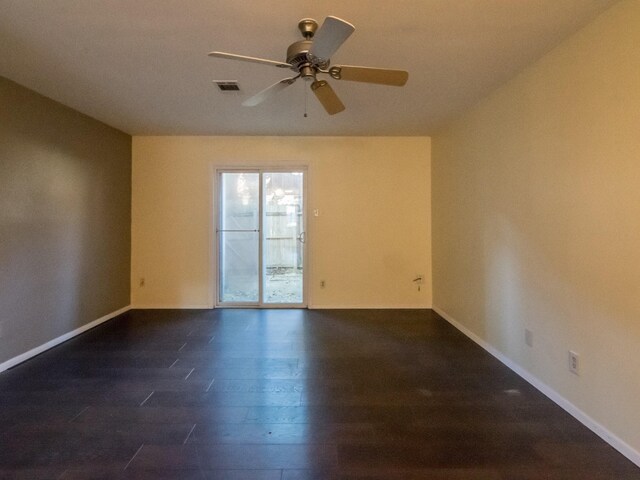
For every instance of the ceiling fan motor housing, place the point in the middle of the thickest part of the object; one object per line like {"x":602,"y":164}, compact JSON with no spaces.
{"x":299,"y":58}
{"x":297,"y":53}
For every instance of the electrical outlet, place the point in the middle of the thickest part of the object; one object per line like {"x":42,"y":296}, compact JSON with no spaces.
{"x":574,"y":362}
{"x":322,"y":284}
{"x":528,"y":337}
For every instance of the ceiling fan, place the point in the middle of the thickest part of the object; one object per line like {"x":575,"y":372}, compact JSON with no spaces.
{"x":311,"y":56}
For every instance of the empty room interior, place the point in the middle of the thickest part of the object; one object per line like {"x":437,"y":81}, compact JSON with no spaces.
{"x":320,"y":240}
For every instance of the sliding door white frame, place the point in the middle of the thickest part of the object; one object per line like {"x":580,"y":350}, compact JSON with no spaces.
{"x":217,"y":205}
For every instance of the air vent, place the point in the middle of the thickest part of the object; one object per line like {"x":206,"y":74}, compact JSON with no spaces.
{"x":227,"y":85}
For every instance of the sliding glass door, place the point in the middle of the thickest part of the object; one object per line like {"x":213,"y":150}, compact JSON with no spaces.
{"x":283,"y":237}
{"x":238,"y":237}
{"x":261,"y":238}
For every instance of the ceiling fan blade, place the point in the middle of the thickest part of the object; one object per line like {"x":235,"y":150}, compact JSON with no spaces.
{"x":333,"y":33}
{"x":382,"y":76}
{"x":327,"y":97}
{"x":268,"y":92}
{"x":233,"y":56}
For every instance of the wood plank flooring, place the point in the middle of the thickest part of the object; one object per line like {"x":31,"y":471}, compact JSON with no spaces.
{"x":285,"y":395}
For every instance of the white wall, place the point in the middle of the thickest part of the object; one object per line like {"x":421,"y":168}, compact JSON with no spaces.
{"x":372,"y":236}
{"x":536,"y":201}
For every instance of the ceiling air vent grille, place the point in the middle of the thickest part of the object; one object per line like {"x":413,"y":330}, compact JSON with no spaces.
{"x":227,"y":85}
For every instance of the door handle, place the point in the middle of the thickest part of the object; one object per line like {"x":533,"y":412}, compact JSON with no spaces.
{"x":302,"y":238}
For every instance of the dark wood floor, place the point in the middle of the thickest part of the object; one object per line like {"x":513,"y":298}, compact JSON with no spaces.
{"x":284,"y":395}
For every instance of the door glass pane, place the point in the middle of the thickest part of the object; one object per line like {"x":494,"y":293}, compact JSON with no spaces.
{"x":239,"y":270}
{"x":283,"y":237}
{"x":239,"y":237}
{"x":240,"y":201}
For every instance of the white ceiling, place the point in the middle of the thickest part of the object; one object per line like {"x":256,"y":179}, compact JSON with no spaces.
{"x":142,"y":65}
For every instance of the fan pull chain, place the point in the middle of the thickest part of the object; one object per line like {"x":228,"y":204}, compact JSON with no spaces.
{"x":306,"y":93}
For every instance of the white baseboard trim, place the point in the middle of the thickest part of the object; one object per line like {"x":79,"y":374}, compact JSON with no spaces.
{"x":62,"y":338}
{"x":155,"y":306}
{"x":608,"y":436}
{"x":368,"y":307}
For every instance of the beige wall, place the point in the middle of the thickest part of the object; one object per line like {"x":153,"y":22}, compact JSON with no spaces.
{"x":65,"y":220}
{"x":372,"y":236}
{"x":536,"y":200}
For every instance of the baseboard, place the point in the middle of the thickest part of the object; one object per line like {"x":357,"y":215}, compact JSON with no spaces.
{"x":156,"y":306}
{"x":310,"y":307}
{"x":608,"y":436}
{"x":62,"y":338}
{"x":368,"y":307}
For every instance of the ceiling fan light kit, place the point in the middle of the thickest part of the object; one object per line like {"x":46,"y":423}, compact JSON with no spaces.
{"x":311,"y":56}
